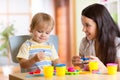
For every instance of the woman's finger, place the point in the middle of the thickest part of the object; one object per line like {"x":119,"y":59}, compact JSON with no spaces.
{"x":94,"y":58}
{"x":75,"y":57}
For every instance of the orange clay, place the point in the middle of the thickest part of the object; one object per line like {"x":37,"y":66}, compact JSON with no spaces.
{"x":85,"y":72}
{"x":77,"y":68}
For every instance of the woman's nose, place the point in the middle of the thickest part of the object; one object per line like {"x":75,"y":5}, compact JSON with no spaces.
{"x":84,"y":29}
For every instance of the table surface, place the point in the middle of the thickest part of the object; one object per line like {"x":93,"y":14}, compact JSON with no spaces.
{"x":26,"y":76}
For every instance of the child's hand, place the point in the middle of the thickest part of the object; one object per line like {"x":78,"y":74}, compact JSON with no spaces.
{"x":39,"y":56}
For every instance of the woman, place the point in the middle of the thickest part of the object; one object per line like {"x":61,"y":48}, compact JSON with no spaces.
{"x":102,"y":41}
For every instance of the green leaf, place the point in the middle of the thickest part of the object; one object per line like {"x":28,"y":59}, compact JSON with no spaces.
{"x":5,"y":36}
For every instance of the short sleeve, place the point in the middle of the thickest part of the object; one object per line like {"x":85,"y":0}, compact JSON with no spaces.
{"x":81,"y":49}
{"x":117,"y":42}
{"x":118,"y":51}
{"x":23,"y":51}
{"x":82,"y":46}
{"x":54,"y":53}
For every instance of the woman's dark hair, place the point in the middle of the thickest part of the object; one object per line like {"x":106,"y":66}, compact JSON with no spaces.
{"x":107,"y":31}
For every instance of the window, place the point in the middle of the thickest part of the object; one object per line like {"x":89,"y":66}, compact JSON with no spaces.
{"x":16,"y":12}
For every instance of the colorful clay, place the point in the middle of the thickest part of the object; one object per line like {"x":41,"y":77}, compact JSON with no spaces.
{"x":35,"y":72}
{"x":84,"y":60}
{"x":77,"y":68}
{"x":71,"y":69}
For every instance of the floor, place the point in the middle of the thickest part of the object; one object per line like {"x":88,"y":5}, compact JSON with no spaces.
{"x":6,"y":70}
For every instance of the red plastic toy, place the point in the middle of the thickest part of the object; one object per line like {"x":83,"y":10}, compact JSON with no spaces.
{"x":35,"y":72}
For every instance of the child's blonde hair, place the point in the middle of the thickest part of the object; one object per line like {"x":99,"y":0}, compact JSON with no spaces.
{"x":42,"y":20}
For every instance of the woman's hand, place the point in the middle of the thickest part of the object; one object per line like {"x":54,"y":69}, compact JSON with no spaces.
{"x":102,"y":67}
{"x":76,"y":61}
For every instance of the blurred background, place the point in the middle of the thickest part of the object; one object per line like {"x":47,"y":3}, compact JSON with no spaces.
{"x":16,"y":15}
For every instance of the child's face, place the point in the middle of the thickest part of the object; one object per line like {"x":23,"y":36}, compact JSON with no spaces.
{"x":40,"y":34}
{"x":89,"y":27}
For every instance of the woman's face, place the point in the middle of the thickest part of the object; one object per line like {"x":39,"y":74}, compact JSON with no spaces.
{"x":89,"y":27}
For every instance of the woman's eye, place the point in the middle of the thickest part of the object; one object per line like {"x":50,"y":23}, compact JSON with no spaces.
{"x":87,"y":25}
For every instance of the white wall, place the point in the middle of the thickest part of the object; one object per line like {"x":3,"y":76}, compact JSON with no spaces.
{"x":46,"y":6}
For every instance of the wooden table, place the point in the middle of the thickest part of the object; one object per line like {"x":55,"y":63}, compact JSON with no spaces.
{"x":26,"y":76}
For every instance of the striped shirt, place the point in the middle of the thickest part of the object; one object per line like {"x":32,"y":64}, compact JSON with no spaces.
{"x":29,"y":48}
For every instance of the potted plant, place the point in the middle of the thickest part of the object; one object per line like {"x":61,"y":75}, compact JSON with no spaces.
{"x":4,"y":47}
